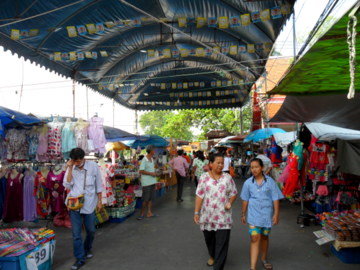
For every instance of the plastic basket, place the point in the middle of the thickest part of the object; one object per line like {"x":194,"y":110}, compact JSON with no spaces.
{"x":121,"y":212}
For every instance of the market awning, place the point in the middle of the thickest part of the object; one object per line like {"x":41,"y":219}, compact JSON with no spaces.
{"x":324,"y":69}
{"x":144,"y":140}
{"x":116,"y":135}
{"x":328,"y":132}
{"x":150,"y":54}
{"x":334,"y":110}
{"x":11,"y":118}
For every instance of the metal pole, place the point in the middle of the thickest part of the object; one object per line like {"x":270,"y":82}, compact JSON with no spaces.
{"x":113,"y":102}
{"x":294,"y":36}
{"x":87,"y":103}
{"x":73,"y":92}
{"x":136,"y":123}
{"x":241,"y":121}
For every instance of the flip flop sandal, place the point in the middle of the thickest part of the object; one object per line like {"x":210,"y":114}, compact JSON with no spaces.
{"x":153,"y":215}
{"x":267,"y":265}
{"x":140,"y":218}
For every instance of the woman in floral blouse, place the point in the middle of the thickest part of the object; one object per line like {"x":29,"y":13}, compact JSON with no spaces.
{"x":215,"y":195}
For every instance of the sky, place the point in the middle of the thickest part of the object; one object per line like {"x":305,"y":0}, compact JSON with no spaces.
{"x":44,"y":93}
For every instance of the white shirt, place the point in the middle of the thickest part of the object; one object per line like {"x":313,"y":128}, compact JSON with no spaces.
{"x":227,"y":163}
{"x":93,"y":185}
{"x":266,"y":161}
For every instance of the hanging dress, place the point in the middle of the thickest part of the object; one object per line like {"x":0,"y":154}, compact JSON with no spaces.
{"x":17,"y":146}
{"x":97,"y":135}
{"x":43,"y":144}
{"x":54,"y":140}
{"x":292,"y":183}
{"x":81,"y":135}
{"x":33,"y":142}
{"x":2,"y":195}
{"x":42,"y":195}
{"x":67,"y":139}
{"x":30,"y":213}
{"x":13,"y":210}
{"x":54,"y":183}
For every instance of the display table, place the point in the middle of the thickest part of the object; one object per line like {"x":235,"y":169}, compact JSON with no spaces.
{"x":345,"y":244}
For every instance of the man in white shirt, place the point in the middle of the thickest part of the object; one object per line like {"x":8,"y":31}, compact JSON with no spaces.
{"x":227,"y":164}
{"x":265,"y":160}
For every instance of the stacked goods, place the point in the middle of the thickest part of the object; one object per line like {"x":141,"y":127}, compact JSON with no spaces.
{"x":344,"y":227}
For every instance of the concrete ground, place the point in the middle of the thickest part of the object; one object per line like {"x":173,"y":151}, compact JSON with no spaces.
{"x":173,"y":241}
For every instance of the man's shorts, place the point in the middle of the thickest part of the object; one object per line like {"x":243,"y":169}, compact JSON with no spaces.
{"x":148,"y":193}
{"x":253,"y":230}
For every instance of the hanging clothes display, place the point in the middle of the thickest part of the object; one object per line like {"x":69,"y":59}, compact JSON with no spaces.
{"x":43,"y":144}
{"x":33,"y":142}
{"x":2,"y":195}
{"x":108,"y":196}
{"x":292,"y":183}
{"x":17,"y":146}
{"x":13,"y":210}
{"x":81,"y":135}
{"x":42,"y":194}
{"x":54,"y":184}
{"x":67,"y":138}
{"x":97,"y":134}
{"x":54,"y":140}
{"x":30,"y":213}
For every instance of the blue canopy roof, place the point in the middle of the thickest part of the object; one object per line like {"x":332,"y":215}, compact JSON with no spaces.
{"x":117,"y":135}
{"x":10,"y":118}
{"x":119,"y":48}
{"x":144,"y":140}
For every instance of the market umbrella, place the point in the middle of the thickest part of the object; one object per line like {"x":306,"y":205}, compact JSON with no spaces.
{"x":143,"y":141}
{"x":10,"y":118}
{"x":231,"y":140}
{"x":116,"y":146}
{"x":262,"y":134}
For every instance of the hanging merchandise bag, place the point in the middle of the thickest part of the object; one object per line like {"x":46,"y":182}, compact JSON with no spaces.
{"x":76,"y":203}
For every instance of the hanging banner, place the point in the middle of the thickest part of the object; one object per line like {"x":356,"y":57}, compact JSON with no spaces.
{"x":285,"y":9}
{"x":255,"y":17}
{"x":72,"y":56}
{"x":218,"y":83}
{"x":191,"y":21}
{"x":208,"y":51}
{"x":184,"y":52}
{"x":251,"y":48}
{"x":136,"y":22}
{"x":212,"y":22}
{"x":175,"y":53}
{"x":100,"y":28}
{"x":71,"y":31}
{"x":166,"y":53}
{"x":213,"y":84}
{"x":151,"y":53}
{"x":182,"y":22}
{"x":245,"y":19}
{"x":223,"y":22}
{"x":80,"y":56}
{"x":15,"y":34}
{"x":173,"y":85}
{"x":81,"y":30}
{"x":234,"y":21}
{"x":200,"y":52}
{"x":57,"y":56}
{"x":267,"y":46}
{"x":185,"y":85}
{"x":192,"y":52}
{"x":242,"y":49}
{"x":216,"y":49}
{"x":200,"y":22}
{"x":276,"y":12}
{"x":91,"y":28}
{"x":109,"y":24}
{"x":104,"y":54}
{"x":256,"y":117}
{"x":163,"y":86}
{"x":202,"y":84}
{"x":265,"y":15}
{"x":233,"y":50}
{"x":225,"y":50}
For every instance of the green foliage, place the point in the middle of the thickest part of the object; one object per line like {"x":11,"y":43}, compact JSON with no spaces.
{"x":179,"y":124}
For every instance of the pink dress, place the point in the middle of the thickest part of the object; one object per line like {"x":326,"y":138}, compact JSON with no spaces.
{"x":54,"y":183}
{"x":97,"y":135}
{"x":54,"y":140}
{"x":43,"y":144}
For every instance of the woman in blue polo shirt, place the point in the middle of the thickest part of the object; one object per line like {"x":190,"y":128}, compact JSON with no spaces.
{"x":260,"y":196}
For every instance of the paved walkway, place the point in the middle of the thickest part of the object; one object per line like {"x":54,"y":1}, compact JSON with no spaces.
{"x":173,"y":241}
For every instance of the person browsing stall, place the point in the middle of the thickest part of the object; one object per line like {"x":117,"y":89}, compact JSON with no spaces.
{"x":148,"y":181}
{"x":260,"y":210}
{"x":83,"y":177}
{"x":179,"y":166}
{"x":215,"y":196}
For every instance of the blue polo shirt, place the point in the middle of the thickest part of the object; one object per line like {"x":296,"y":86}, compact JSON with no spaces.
{"x":261,"y":207}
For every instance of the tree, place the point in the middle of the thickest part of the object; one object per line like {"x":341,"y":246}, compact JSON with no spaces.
{"x":178,"y":124}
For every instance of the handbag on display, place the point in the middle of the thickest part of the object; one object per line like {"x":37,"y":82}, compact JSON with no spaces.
{"x":76,"y":203}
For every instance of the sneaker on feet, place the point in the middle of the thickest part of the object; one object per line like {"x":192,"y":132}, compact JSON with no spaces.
{"x":89,"y":256}
{"x":77,"y":265}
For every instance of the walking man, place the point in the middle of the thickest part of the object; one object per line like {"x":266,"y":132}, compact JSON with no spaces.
{"x":83,"y":177}
{"x":179,"y":166}
{"x":148,"y":181}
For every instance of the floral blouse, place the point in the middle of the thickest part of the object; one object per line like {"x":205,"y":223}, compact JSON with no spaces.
{"x":215,"y":195}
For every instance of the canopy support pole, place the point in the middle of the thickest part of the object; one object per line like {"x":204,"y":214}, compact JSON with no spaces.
{"x":113,"y":103}
{"x":241,"y":121}
{"x":294,"y":36}
{"x":136,"y":123}
{"x":73,"y":92}
{"x":87,"y":103}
